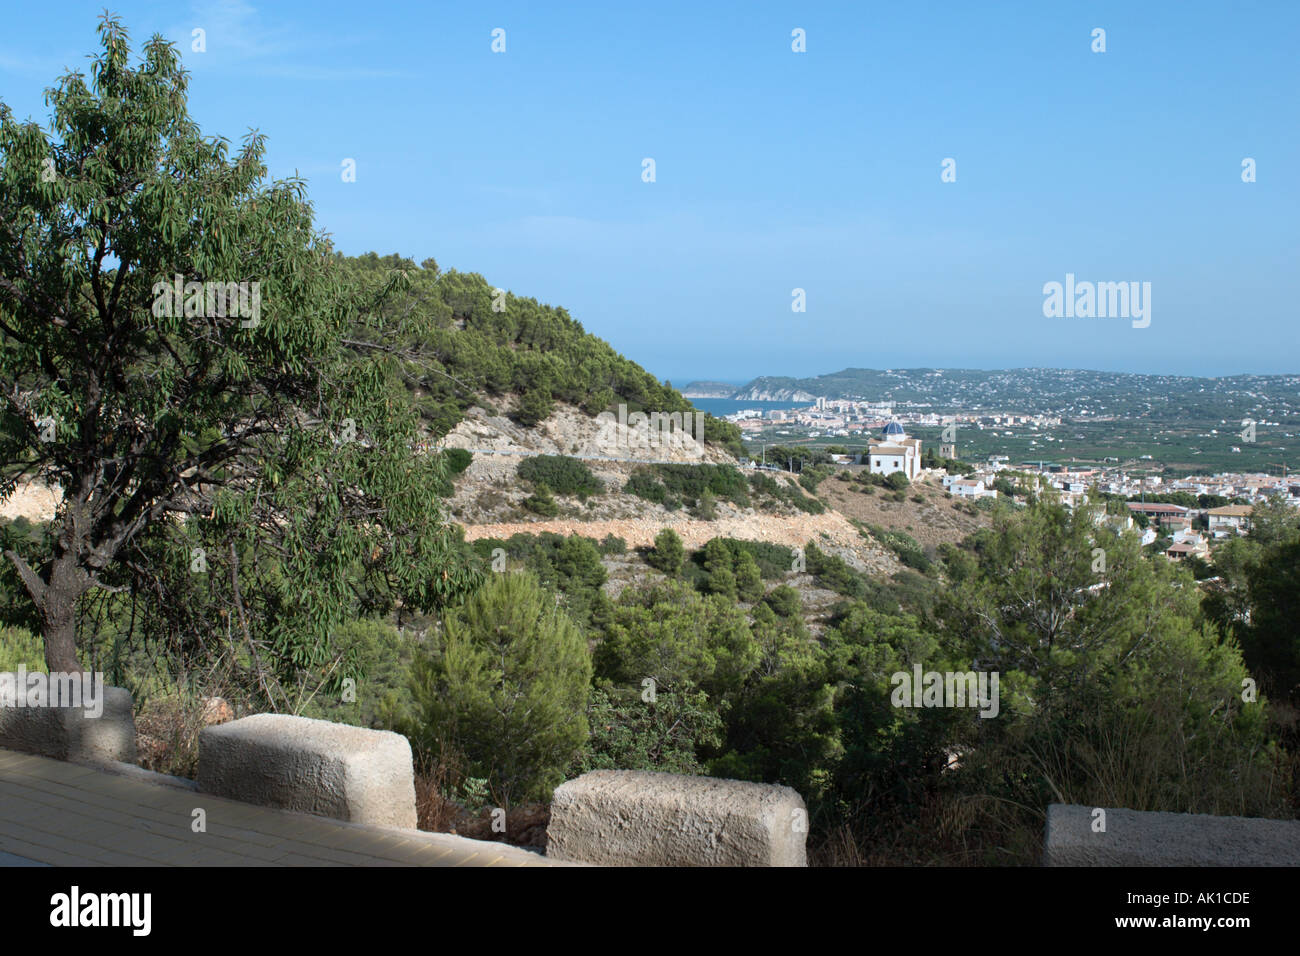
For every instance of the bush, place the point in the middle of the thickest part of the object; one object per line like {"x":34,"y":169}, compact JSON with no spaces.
{"x":535,"y":406}
{"x":505,"y":686}
{"x":688,"y":483}
{"x":784,"y":601}
{"x":458,"y":459}
{"x":563,"y":475}
{"x":767,"y":485}
{"x":811,"y":477}
{"x":717,"y":565}
{"x":749,"y":582}
{"x":540,"y":502}
{"x":612,"y":544}
{"x":707,"y":509}
{"x":20,"y":646}
{"x":897,"y":480}
{"x":631,"y":733}
{"x":773,"y":560}
{"x":668,"y":553}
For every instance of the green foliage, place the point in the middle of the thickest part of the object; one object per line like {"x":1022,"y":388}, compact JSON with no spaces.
{"x":571,"y":566}
{"x":535,"y":406}
{"x":458,"y":459}
{"x":612,"y":544}
{"x":904,"y":546}
{"x":378,"y":659}
{"x":833,"y":573}
{"x":678,"y":637}
{"x":749,"y":581}
{"x":668,"y":552}
{"x":292,"y":444}
{"x":466,"y":350}
{"x":932,"y":459}
{"x":20,"y":646}
{"x":1257,"y":597}
{"x":784,"y":601}
{"x":664,"y":483}
{"x":770,"y":487}
{"x":541,"y":502}
{"x":896,"y":480}
{"x":563,"y":475}
{"x":719,"y":579}
{"x":773,"y":560}
{"x":506,"y":688}
{"x":811,"y":477}
{"x":665,"y":734}
{"x":707,"y":509}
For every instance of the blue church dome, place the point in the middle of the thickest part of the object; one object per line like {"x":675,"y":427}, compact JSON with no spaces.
{"x":893,"y":428}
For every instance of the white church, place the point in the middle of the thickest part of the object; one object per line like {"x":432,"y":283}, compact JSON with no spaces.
{"x":894,"y":451}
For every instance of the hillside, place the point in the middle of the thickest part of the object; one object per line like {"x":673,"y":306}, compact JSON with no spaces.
{"x":489,"y":345}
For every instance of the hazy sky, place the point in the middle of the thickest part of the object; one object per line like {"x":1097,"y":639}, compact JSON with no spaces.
{"x":778,"y":170}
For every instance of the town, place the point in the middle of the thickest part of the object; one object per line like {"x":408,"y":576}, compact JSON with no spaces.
{"x":1184,"y":517}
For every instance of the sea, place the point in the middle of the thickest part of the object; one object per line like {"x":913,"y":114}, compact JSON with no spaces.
{"x":717,"y":407}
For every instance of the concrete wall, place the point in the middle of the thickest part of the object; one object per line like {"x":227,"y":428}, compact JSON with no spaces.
{"x":315,"y":766}
{"x":69,"y":733}
{"x":637,"y":818}
{"x":1141,"y":838}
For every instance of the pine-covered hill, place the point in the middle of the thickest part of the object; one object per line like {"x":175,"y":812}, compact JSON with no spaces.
{"x":484,"y":346}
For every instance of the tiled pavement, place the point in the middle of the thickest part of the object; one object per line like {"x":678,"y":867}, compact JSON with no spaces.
{"x":66,"y":814}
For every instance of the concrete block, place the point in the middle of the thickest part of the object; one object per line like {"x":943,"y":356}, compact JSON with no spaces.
{"x":101,"y":727}
{"x":314,"y":766}
{"x":638,"y":818}
{"x":1144,"y":838}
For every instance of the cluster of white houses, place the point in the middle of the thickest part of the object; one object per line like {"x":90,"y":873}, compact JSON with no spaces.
{"x":894,"y":451}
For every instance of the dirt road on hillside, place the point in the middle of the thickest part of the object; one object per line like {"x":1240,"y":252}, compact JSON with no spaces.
{"x":793,"y":532}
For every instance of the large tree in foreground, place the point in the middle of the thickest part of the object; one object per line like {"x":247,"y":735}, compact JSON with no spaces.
{"x":231,"y":423}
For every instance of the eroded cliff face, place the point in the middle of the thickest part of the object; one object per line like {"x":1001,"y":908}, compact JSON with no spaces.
{"x":760,"y":393}
{"x":709,"y":390}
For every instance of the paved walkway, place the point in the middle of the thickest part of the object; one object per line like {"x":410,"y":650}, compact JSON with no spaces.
{"x":65,"y":814}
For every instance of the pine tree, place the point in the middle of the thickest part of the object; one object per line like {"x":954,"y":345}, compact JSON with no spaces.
{"x":506,"y":689}
{"x":749,"y":581}
{"x":668,"y":553}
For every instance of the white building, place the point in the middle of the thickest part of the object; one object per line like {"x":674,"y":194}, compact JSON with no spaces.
{"x":894,"y":451}
{"x":967,"y":488}
{"x":1230,"y":518}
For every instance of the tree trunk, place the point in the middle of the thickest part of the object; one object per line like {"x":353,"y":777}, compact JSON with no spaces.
{"x":61,"y":645}
{"x":59,"y":615}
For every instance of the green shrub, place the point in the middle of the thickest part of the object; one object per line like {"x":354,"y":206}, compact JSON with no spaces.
{"x":505,"y":689}
{"x":811,"y":477}
{"x":540,"y":502}
{"x":784,"y":601}
{"x":688,"y":483}
{"x":773,"y":560}
{"x":897,"y":480}
{"x":767,"y":485}
{"x":20,"y":646}
{"x":629,"y":732}
{"x":562,"y":474}
{"x":458,"y":459}
{"x":749,"y":582}
{"x":668,"y":552}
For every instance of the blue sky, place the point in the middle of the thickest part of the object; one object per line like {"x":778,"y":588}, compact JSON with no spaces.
{"x":778,"y":170}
